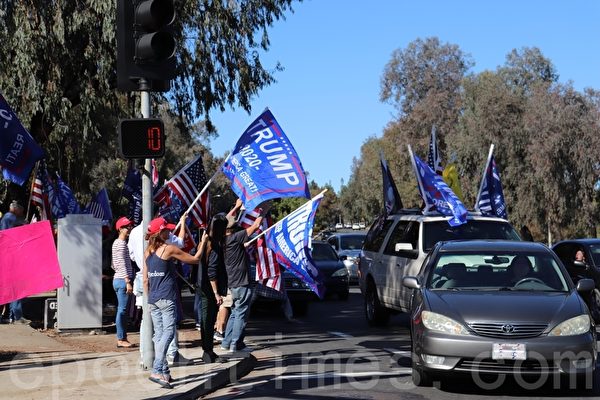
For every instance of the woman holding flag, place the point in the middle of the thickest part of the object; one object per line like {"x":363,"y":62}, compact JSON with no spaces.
{"x":160,"y":284}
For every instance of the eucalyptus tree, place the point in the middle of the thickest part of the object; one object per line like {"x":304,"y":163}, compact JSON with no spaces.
{"x":58,"y":72}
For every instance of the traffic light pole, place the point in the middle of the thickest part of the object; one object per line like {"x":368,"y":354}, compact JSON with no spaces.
{"x":146,"y":338}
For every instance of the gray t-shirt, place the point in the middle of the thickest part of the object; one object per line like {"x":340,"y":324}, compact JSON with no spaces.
{"x":236,"y":259}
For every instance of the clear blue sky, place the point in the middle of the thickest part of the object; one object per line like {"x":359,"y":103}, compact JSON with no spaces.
{"x":334,"y":53}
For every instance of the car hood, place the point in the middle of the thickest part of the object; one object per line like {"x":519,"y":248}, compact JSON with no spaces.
{"x":329,"y":267}
{"x":349,"y":253}
{"x":476,"y":306}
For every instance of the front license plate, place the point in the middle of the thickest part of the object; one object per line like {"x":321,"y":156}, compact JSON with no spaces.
{"x":509,"y":351}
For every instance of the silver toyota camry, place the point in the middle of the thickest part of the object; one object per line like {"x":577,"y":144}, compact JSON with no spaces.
{"x":500,"y":308}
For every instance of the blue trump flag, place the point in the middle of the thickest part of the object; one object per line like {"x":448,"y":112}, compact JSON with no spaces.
{"x":264,"y":165}
{"x":491,"y":197}
{"x":436,"y":193}
{"x":62,"y":200}
{"x":18,"y":151}
{"x":290,"y":240}
{"x":132,"y":191}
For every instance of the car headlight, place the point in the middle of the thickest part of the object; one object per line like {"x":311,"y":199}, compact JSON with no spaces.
{"x":340,"y":272}
{"x":439,"y":323}
{"x":571,"y":327}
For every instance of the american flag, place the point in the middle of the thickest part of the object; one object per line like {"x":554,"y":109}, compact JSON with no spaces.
{"x":186,"y":184}
{"x":99,"y":207}
{"x":433,"y":159}
{"x":267,"y":268}
{"x":39,"y":191}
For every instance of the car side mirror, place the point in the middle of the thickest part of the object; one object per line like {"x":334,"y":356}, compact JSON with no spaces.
{"x":411,"y":282}
{"x":579,"y":264}
{"x":585,"y":285}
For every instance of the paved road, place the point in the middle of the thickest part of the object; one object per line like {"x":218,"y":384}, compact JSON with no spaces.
{"x":332,"y":353}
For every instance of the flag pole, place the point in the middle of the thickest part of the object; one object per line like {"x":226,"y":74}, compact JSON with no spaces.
{"x":202,"y":191}
{"x":487,"y":163}
{"x":281,"y":220}
{"x":37,"y":163}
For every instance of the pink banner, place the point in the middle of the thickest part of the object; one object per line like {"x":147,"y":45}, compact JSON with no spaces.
{"x":28,"y":262}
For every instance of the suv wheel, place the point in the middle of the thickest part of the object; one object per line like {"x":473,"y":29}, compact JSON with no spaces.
{"x":376,"y":314}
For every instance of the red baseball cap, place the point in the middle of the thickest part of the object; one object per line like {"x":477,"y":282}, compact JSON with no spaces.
{"x":158,"y":224}
{"x":123,"y":221}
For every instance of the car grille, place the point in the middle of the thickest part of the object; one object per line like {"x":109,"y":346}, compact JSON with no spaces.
{"x":508,"y":330}
{"x":506,"y":366}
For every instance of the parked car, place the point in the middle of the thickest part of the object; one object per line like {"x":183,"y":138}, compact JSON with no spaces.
{"x":348,"y":246}
{"x":397,"y":248}
{"x":339,"y":225}
{"x":362,"y":225}
{"x":355,"y":226}
{"x":590,"y":268}
{"x":499,"y":307}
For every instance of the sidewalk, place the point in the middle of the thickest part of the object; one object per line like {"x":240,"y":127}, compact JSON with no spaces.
{"x":44,"y":368}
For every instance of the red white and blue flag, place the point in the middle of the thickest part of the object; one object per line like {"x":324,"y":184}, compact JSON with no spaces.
{"x":41,"y":190}
{"x":267,"y":267}
{"x":99,"y":207}
{"x":264,"y":165}
{"x":185,"y":185}
{"x":290,"y":240}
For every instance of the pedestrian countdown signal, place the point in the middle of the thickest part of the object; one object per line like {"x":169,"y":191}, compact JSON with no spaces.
{"x":141,"y":138}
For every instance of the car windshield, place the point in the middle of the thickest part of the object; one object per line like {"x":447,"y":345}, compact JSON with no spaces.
{"x":497,"y":271}
{"x":437,"y":231}
{"x":595,"y":250}
{"x":352,"y":242}
{"x":323,"y":252}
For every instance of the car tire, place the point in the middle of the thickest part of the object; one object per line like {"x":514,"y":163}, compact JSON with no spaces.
{"x":594,"y":305}
{"x":376,"y":314}
{"x":421,"y":378}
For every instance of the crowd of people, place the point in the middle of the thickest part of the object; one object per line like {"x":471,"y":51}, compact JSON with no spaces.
{"x":219,"y":274}
{"x":219,"y":268}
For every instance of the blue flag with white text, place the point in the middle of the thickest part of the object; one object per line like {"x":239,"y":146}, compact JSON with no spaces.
{"x":62,"y":200}
{"x":264,"y":165}
{"x":491,"y":198}
{"x":438,"y":195}
{"x":132,"y":191}
{"x":18,"y":151}
{"x":290,"y":240}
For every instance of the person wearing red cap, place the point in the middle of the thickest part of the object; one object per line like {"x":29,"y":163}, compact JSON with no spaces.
{"x":160,"y":283}
{"x":123,"y":278}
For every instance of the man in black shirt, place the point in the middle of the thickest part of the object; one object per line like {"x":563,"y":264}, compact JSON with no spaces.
{"x":238,"y":266}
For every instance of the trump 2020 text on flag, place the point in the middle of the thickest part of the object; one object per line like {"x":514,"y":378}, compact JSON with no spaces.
{"x":28,"y":262}
{"x":264,"y":165}
{"x":290,"y":239}
{"x":18,"y":151}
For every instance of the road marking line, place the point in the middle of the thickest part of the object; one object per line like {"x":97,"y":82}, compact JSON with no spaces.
{"x":340,"y":334}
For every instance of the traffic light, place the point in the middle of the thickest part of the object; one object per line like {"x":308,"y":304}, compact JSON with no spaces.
{"x":145,"y":44}
{"x":141,"y":138}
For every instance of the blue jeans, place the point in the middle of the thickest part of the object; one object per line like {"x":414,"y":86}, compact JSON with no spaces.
{"x":163,"y":314}
{"x":198,"y":306}
{"x":121,"y":318}
{"x":15,"y":310}
{"x":234,"y":333}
